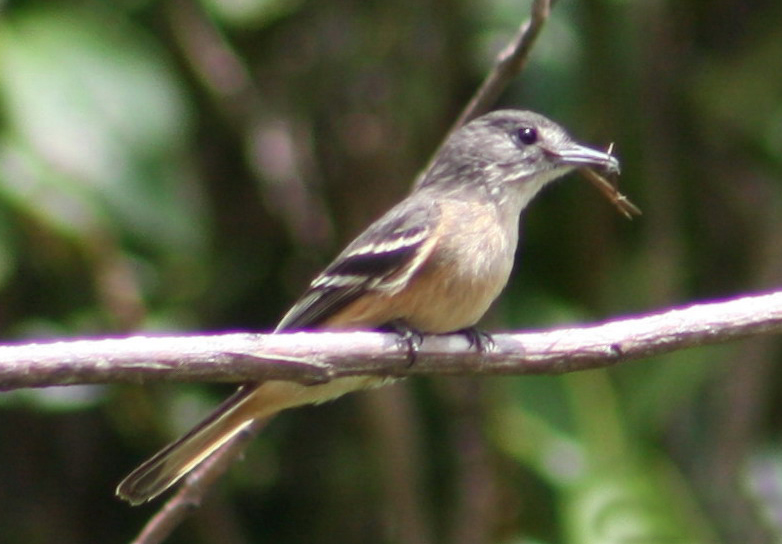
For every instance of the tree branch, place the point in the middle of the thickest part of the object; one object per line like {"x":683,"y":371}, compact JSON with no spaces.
{"x":311,"y":357}
{"x":188,"y":496}
{"x":510,"y":62}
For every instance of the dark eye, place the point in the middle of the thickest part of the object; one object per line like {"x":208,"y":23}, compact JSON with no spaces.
{"x":527,"y":135}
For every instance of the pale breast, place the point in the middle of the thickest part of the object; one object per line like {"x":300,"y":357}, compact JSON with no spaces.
{"x":466,"y":271}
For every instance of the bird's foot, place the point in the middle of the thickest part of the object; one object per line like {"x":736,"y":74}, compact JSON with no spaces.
{"x":480,"y":340}
{"x":409,"y":338}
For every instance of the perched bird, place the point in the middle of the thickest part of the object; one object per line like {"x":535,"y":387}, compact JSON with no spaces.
{"x":434,"y":263}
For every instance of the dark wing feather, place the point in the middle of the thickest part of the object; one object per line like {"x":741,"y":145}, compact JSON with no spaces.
{"x":387,"y":246}
{"x":315,"y":306}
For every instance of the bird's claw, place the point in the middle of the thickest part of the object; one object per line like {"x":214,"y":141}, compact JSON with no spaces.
{"x":480,"y":340}
{"x":409,"y":338}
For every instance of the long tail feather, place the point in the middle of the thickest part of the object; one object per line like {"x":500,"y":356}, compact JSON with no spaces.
{"x":249,"y":403}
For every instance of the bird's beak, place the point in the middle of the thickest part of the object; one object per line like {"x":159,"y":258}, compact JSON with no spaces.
{"x":585,"y":159}
{"x":574,"y":154}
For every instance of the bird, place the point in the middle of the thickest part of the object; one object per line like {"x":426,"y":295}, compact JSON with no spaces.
{"x":432,"y":264}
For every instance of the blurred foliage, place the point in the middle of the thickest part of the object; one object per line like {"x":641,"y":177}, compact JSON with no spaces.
{"x":182,"y":165}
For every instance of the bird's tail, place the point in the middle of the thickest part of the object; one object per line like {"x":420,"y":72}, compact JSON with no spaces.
{"x":235,"y":414}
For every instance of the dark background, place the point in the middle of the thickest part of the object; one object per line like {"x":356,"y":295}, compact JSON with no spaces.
{"x":189,"y":166}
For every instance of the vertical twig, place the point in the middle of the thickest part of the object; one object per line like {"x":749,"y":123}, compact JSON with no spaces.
{"x":196,"y":485}
{"x":510,"y":62}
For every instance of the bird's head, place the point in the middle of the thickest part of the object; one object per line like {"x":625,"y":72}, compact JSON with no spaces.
{"x":511,"y":152}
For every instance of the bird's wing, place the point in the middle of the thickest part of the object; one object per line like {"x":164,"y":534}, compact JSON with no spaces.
{"x":385,"y":255}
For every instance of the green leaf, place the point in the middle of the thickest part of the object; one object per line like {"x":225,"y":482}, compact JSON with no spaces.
{"x":641,"y":505}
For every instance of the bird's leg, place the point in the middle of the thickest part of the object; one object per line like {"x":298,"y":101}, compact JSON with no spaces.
{"x":409,"y":338}
{"x":481,"y":340}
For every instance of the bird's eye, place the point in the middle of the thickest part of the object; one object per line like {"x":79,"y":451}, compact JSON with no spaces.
{"x":527,"y":135}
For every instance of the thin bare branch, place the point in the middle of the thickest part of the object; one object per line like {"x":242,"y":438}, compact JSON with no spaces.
{"x":313,"y":357}
{"x":510,"y":62}
{"x":190,"y":495}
